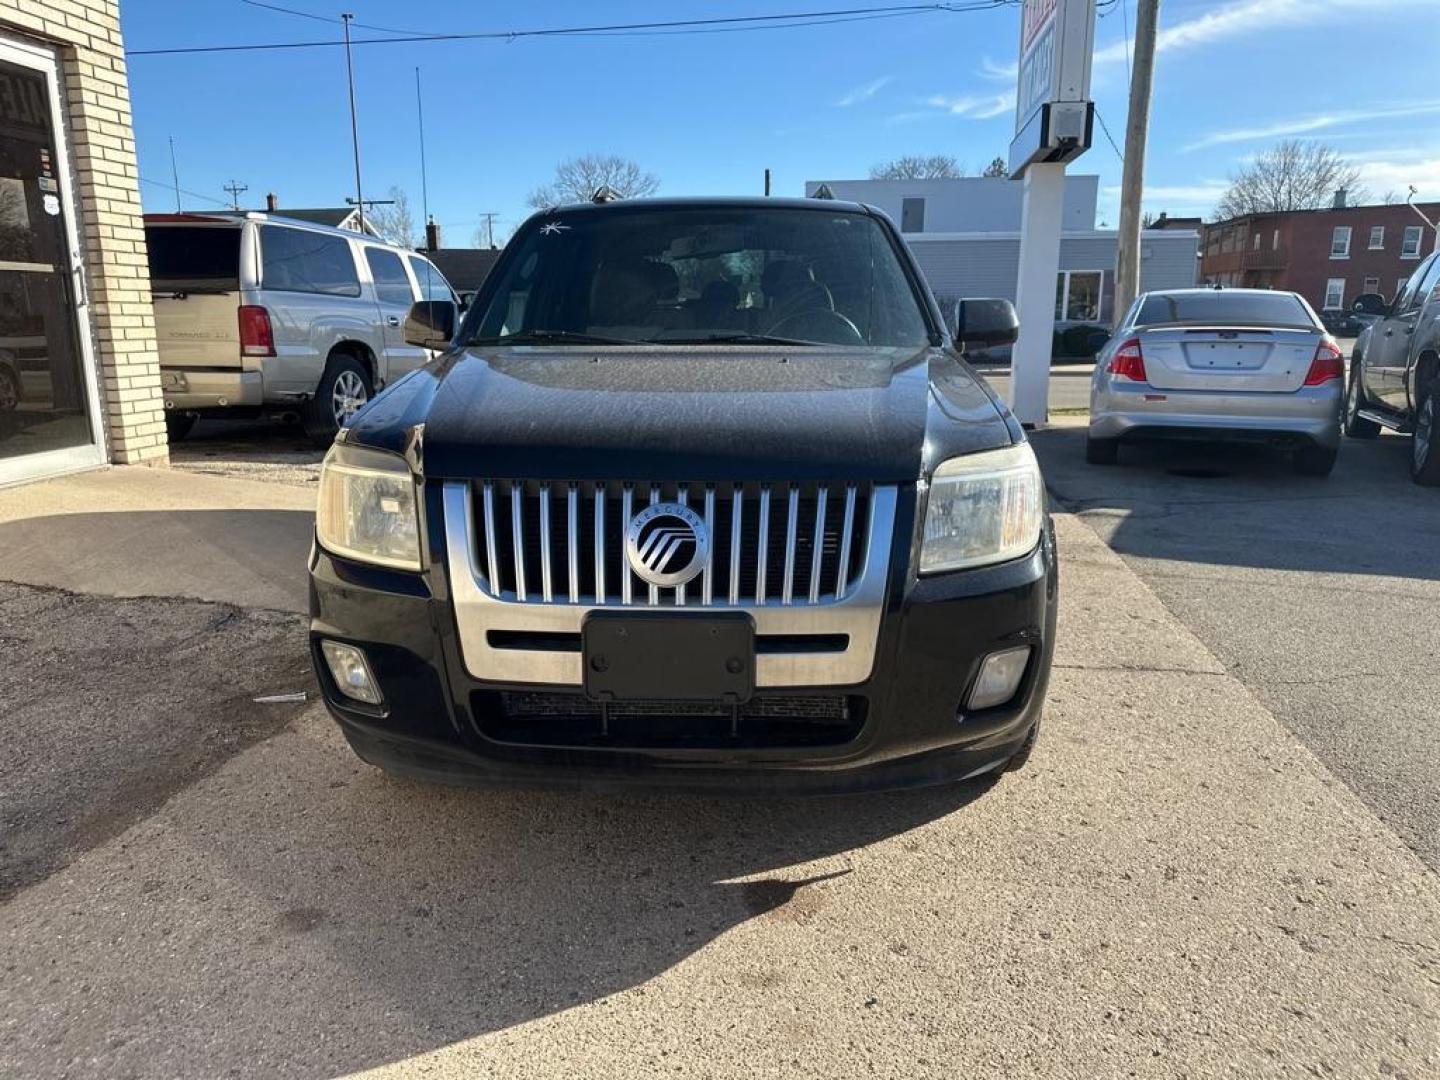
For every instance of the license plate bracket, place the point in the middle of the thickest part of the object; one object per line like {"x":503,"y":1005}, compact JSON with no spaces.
{"x":669,"y":657}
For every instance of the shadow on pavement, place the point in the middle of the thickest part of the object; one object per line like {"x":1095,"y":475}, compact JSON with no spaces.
{"x":1242,"y":505}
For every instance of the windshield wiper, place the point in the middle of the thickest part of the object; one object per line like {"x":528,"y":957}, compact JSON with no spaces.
{"x":736,"y":339}
{"x":553,"y":337}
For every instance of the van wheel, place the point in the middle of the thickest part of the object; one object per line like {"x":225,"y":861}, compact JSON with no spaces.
{"x":343,"y":391}
{"x":1314,"y":460}
{"x":1102,"y":451}
{"x":1356,"y":426}
{"x":1424,"y":454}
{"x":178,"y":425}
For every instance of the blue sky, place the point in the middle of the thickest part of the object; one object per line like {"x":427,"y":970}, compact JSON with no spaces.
{"x":709,"y":112}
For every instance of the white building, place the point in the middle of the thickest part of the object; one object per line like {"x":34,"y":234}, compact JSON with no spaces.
{"x":965,"y":235}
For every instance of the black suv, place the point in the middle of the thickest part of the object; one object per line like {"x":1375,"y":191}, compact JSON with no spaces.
{"x":701,"y":495}
{"x":1395,"y":369}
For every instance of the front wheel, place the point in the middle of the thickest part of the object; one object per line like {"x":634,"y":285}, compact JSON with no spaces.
{"x":1356,"y":426}
{"x":343,"y":391}
{"x":1315,"y":460}
{"x":1424,"y":455}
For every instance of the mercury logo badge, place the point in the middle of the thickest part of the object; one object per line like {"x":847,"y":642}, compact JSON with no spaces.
{"x":667,"y":544}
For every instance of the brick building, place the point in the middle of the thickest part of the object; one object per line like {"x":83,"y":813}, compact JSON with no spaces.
{"x":1328,"y":256}
{"x":79,"y":374}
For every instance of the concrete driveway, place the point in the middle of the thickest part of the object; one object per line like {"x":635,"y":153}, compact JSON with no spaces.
{"x":1174,"y":886}
{"x":1321,"y":596}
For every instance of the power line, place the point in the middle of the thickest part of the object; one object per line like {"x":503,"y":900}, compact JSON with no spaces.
{"x":185,"y":191}
{"x":324,"y":18}
{"x":749,"y":22}
{"x":1106,"y":128}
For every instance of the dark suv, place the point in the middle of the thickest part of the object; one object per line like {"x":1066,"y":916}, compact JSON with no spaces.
{"x":701,"y":495}
{"x":1395,"y":369}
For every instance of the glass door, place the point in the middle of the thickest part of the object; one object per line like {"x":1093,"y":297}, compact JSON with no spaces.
{"x":48,"y":395}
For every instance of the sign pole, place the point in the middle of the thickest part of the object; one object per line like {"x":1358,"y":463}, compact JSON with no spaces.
{"x":1053,"y":125}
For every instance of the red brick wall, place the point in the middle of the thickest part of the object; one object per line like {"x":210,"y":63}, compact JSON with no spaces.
{"x":1310,"y":265}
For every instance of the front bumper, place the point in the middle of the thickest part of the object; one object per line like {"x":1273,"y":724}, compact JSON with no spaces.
{"x":933,"y":636}
{"x":1310,"y":414}
{"x":188,"y":390}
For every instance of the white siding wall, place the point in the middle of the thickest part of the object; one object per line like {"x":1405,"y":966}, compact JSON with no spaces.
{"x":972,"y":204}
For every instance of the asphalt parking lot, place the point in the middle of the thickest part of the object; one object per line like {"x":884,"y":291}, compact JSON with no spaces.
{"x":1212,"y":865}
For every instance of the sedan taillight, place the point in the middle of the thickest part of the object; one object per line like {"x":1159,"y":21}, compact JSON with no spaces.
{"x":1128,"y":361}
{"x":1329,"y":363}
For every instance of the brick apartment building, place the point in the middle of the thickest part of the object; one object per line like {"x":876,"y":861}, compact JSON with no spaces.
{"x":1328,"y":256}
{"x":79,"y":373}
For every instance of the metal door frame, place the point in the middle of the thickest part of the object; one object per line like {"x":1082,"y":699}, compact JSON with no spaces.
{"x":40,"y":58}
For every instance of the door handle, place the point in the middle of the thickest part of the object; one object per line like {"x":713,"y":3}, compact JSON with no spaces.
{"x":393,"y":321}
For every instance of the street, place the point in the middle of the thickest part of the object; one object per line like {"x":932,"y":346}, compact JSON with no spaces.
{"x":1208,"y":866}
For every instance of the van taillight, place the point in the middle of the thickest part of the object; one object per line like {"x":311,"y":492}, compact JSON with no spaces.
{"x":1128,"y":361}
{"x":256,"y":337}
{"x":1329,"y":363}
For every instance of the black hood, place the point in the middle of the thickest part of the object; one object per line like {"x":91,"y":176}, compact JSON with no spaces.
{"x":670,"y":413}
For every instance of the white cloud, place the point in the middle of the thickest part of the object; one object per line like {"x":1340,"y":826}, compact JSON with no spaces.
{"x":864,"y":92}
{"x":996,"y":72}
{"x":975,"y":107}
{"x":1303,"y":125}
{"x":1247,"y":17}
{"x":1396,"y":176}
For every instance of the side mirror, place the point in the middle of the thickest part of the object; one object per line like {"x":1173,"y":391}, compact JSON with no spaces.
{"x":466,"y":299}
{"x":1097,"y":340}
{"x":430,"y":324}
{"x":1370,"y":304}
{"x":985,"y":322}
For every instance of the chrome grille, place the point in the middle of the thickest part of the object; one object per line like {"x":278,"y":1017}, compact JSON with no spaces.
{"x":781,"y":544}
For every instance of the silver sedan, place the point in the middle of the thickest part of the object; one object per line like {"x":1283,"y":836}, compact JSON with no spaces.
{"x":1251,"y":364}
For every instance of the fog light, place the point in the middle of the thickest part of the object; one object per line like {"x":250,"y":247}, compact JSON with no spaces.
{"x":350,"y":672}
{"x":1000,"y":677}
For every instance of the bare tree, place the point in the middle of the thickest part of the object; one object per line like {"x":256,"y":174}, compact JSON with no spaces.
{"x":1293,"y":175}
{"x":997,"y":168}
{"x":1147,"y":219}
{"x":578,"y":178}
{"x":917,"y":167}
{"x":393,"y":222}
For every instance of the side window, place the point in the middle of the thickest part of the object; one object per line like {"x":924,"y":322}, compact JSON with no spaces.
{"x":433,"y":285}
{"x":392,"y":285}
{"x":297,"y":260}
{"x":1405,"y":299}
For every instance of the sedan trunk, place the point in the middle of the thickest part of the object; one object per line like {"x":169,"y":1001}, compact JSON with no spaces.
{"x":1228,"y":359}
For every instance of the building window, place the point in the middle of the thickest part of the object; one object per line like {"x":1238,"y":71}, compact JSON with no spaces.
{"x":1275,"y":240}
{"x":1377,"y":237}
{"x":1372,"y":285}
{"x":912,"y":215}
{"x":1410,"y":245}
{"x":1340,"y":242}
{"x":1335,"y":294}
{"x":1077,"y":295}
{"x":1256,"y":244}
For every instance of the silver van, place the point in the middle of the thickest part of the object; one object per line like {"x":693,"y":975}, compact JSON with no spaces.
{"x":257,"y":313}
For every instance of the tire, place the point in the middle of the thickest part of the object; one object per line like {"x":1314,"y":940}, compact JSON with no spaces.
{"x":343,"y":389}
{"x":1356,"y":426}
{"x":1314,"y":460}
{"x":1102,"y":451}
{"x":1425,"y":443}
{"x":178,"y":425}
{"x":1020,"y":757}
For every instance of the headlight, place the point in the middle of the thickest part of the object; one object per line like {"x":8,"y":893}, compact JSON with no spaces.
{"x":367,"y":508}
{"x":984,"y":508}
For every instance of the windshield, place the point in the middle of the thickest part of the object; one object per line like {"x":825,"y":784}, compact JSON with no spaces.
{"x":703,"y":275}
{"x":194,"y":254}
{"x":1219,"y":307}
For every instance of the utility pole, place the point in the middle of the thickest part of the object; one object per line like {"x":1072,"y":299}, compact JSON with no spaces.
{"x":235,"y":189}
{"x":490,"y":228}
{"x":345,"y":17}
{"x":424,"y":184}
{"x":1132,"y":180}
{"x":175,"y":174}
{"x":767,"y":183}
